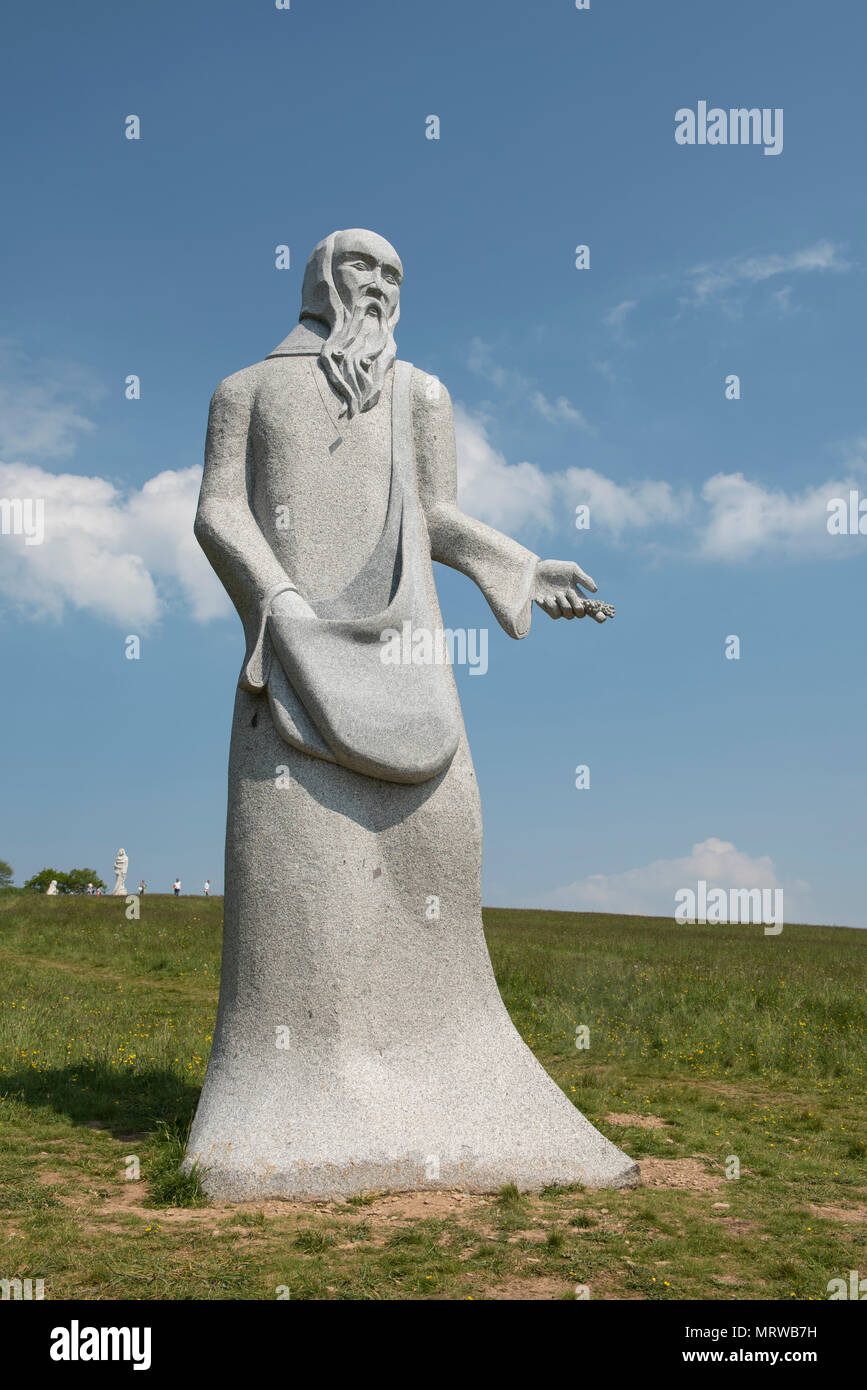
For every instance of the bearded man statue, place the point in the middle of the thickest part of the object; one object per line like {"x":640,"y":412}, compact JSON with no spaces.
{"x":361,"y":1043}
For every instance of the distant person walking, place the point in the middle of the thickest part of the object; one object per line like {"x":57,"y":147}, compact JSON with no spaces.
{"x":90,"y":888}
{"x":177,"y":887}
{"x":141,"y":888}
{"x":207,"y":888}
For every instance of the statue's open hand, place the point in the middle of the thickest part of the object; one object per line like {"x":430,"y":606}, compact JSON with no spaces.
{"x":557,"y":589}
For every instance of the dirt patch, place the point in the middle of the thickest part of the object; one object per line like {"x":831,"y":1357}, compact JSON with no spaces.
{"x":383,"y":1212}
{"x":678,"y":1172}
{"x":605,"y":1289}
{"x":528,"y":1290}
{"x":95,"y":1213}
{"x":736,"y":1227}
{"x":414,"y":1206}
{"x":636,"y":1121}
{"x":831,"y":1213}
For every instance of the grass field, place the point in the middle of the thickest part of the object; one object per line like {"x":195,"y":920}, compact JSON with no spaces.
{"x":706,"y":1042}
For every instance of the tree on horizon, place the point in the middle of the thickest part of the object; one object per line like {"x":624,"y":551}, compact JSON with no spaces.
{"x":75,"y":881}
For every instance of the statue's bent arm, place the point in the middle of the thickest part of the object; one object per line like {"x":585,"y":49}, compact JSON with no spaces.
{"x":504,"y":570}
{"x":226,"y":528}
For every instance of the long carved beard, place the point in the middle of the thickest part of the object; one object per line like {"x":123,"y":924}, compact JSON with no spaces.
{"x":357,"y":357}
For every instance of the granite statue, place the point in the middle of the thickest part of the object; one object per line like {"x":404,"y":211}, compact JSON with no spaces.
{"x":121,"y":865}
{"x":361,"y":1042}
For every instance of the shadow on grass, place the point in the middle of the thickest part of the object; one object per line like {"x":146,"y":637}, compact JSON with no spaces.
{"x":106,"y":1098}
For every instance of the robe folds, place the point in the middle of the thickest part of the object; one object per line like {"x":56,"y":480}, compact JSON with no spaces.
{"x":361,"y":1043}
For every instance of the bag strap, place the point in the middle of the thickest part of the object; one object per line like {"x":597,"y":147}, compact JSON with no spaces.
{"x":402,"y":448}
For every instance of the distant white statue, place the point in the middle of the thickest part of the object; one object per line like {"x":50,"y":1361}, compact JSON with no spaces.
{"x":51,"y":890}
{"x":121,"y":864}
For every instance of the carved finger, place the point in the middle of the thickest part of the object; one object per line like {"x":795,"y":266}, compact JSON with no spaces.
{"x":579,"y":577}
{"x":566,"y":609}
{"x":577,"y":602}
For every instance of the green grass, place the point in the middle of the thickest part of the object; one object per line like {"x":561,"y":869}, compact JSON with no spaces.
{"x":736,"y":1043}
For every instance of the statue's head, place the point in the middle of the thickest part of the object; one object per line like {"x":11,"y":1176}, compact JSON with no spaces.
{"x":352,"y":287}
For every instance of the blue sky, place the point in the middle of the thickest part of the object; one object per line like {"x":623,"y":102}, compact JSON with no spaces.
{"x":603,"y":386}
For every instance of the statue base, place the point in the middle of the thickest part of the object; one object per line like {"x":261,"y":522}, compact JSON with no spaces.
{"x":455,"y":1120}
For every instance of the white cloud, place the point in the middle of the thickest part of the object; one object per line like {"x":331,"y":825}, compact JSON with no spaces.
{"x":714,"y":280}
{"x":482,"y":362}
{"x":124,"y":559}
{"x":650,"y":890}
{"x":744,"y":518}
{"x":129,"y":557}
{"x":507,"y":495}
{"x":731,"y":519}
{"x":160,"y":520}
{"x":616,"y":317}
{"x":783,"y":298}
{"x":41,"y":412}
{"x":622,"y":506}
{"x":560,"y":411}
{"x":522,"y":495}
{"x":34,"y":422}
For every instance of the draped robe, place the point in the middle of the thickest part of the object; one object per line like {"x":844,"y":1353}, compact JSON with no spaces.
{"x":361,"y":1042}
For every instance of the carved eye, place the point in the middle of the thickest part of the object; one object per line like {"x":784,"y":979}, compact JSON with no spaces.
{"x":391,"y":278}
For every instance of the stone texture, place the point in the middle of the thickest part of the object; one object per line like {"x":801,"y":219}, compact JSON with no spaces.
{"x":361,"y":1042}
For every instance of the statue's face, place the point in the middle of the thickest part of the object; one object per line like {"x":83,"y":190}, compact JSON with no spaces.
{"x":367,"y":269}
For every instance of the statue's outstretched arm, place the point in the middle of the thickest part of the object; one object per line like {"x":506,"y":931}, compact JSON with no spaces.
{"x":226,"y":528}
{"x":510,"y":576}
